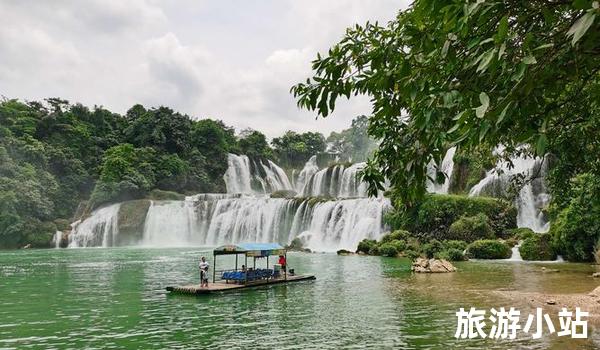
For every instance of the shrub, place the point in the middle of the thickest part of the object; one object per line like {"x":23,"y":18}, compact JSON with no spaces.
{"x":343,"y":252}
{"x":537,"y":247}
{"x":520,"y":233}
{"x":488,"y":249}
{"x":388,"y":249}
{"x":366,"y":245}
{"x":374,"y":250}
{"x":454,"y":254}
{"x":396,"y":235}
{"x":454,"y":244}
{"x":471,"y":228}
{"x":399,"y":244}
{"x":411,"y":254}
{"x":430,"y":249}
{"x":576,"y":228}
{"x":432,"y":217}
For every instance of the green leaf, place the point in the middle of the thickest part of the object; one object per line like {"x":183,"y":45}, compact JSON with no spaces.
{"x":545,"y":46}
{"x":581,"y":26}
{"x":540,"y":145}
{"x":445,"y":48}
{"x":529,"y":60}
{"x":501,"y":50}
{"x":502,"y":30}
{"x":485,"y":103}
{"x":485,"y":126}
{"x":486,"y":60}
{"x":459,"y":115}
{"x":503,"y":114}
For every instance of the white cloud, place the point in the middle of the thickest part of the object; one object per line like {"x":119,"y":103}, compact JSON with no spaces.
{"x":235,"y":61}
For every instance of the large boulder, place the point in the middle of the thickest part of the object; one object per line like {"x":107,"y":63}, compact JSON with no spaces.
{"x":132,"y":216}
{"x":422,"y":265}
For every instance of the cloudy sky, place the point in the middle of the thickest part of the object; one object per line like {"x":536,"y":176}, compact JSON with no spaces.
{"x":225,"y":59}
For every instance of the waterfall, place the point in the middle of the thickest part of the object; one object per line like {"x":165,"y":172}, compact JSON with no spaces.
{"x":100,"y":229}
{"x":57,"y":239}
{"x":531,"y":198}
{"x":245,"y":175}
{"x":446,"y":167}
{"x":310,"y":168}
{"x":337,"y":181}
{"x":248,"y":214}
{"x":515,"y":253}
{"x":334,"y":225}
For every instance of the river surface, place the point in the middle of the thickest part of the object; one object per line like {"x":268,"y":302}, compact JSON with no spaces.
{"x":115,"y":298}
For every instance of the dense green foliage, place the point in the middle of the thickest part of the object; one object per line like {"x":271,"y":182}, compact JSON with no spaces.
{"x":293,"y":150}
{"x":404,"y":243}
{"x":488,"y":249}
{"x":474,"y":75}
{"x":433,"y":216}
{"x":466,"y":74}
{"x":55,"y":155}
{"x":353,"y":144}
{"x":471,"y":228}
{"x":576,"y":228}
{"x":537,"y":247}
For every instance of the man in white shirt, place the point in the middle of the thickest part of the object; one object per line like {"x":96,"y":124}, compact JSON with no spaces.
{"x":204,"y":266}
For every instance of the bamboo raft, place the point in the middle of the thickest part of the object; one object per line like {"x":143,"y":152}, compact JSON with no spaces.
{"x":220,"y":287}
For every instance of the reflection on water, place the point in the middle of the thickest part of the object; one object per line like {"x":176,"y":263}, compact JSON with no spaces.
{"x":115,"y":298}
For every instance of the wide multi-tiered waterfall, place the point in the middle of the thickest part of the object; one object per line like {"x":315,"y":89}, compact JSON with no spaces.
{"x":531,"y":198}
{"x":246,"y":214}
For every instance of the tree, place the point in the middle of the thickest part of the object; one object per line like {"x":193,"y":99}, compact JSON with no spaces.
{"x":450,"y":73}
{"x":293,"y":149}
{"x":254,"y":143}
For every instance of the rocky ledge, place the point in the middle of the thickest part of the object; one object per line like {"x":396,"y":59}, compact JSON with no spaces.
{"x":423,"y":265}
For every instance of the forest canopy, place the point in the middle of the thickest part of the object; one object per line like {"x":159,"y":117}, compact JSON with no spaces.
{"x":56,"y":157}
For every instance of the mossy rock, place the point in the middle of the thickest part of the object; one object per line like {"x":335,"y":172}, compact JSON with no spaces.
{"x":537,"y":247}
{"x":132,"y":216}
{"x":162,"y":195}
{"x":488,"y":249}
{"x":283,"y":194}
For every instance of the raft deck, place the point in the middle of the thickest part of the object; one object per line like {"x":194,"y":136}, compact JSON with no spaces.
{"x":218,"y":287}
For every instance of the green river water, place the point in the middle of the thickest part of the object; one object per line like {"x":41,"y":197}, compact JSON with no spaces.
{"x":116,"y":298}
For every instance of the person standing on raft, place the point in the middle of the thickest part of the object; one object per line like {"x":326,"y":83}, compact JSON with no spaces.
{"x":283,"y":263}
{"x":204,"y":266}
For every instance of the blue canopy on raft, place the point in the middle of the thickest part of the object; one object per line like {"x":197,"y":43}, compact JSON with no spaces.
{"x":251,"y":249}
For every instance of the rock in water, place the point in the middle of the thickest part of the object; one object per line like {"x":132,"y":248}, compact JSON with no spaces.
{"x":596,"y":274}
{"x":422,"y":265}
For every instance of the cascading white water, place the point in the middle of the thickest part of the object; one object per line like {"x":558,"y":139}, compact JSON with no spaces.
{"x":310,"y":169}
{"x":446,"y":167}
{"x":248,"y":215}
{"x":245,"y":175}
{"x":337,"y":181}
{"x":57,"y":239}
{"x":334,"y":225}
{"x":532,"y":196}
{"x":325,"y":226}
{"x":100,"y":229}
